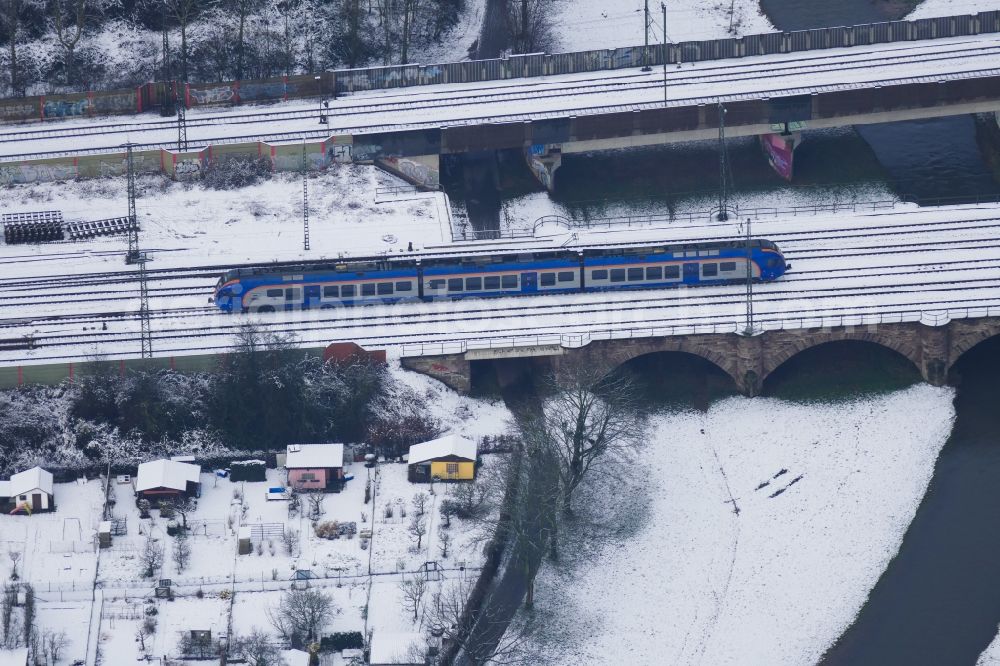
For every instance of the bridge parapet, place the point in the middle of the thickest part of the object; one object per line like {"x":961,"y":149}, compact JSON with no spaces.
{"x":933,"y":343}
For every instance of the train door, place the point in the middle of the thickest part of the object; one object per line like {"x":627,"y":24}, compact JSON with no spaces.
{"x":311,"y":297}
{"x":529,"y":283}
{"x":691,"y":273}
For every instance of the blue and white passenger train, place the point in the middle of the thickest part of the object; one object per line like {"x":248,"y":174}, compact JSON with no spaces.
{"x":434,"y":277}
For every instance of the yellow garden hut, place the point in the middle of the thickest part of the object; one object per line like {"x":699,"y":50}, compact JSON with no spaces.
{"x":448,"y":458}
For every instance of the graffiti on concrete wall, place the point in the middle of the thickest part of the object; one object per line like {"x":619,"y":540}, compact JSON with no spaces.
{"x":110,"y":166}
{"x":115,"y":103}
{"x":413,"y":171}
{"x":61,"y":108}
{"x":261,"y":91}
{"x":187,"y":170}
{"x":212,"y":95}
{"x":36,"y":173}
{"x":339,"y":153}
{"x":18,"y":111}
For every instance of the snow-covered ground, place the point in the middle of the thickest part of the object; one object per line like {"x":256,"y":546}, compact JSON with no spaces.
{"x":58,"y":555}
{"x":825,"y":493}
{"x":582,"y":25}
{"x":932,"y":8}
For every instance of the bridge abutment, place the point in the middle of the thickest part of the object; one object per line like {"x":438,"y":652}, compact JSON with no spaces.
{"x":543,"y":161}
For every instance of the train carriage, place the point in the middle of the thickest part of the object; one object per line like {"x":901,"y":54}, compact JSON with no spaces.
{"x":432,"y":277}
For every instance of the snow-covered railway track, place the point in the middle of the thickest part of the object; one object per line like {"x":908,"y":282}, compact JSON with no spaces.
{"x":522,"y":89}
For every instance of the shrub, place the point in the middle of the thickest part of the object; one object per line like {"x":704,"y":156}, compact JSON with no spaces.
{"x":237,"y":171}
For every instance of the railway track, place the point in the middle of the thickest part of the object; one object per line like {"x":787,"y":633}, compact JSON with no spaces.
{"x":451,"y":108}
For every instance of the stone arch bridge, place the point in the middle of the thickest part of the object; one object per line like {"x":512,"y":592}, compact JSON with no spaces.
{"x":748,"y":360}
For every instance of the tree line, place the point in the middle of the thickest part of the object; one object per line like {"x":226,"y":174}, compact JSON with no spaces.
{"x":101,"y":44}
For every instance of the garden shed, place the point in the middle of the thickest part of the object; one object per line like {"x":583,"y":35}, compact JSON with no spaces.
{"x":163,"y":479}
{"x":30,"y":490}
{"x":315,"y":466}
{"x":448,"y":458}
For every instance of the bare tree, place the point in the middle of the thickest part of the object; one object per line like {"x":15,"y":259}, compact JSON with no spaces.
{"x":290,"y":540}
{"x":420,"y":503}
{"x":530,"y":25}
{"x":53,"y":643}
{"x":413,"y":590}
{"x":591,"y":416}
{"x":181,"y":505}
{"x":7,"y":620}
{"x":315,"y":505}
{"x":258,"y":649}
{"x":241,"y":10}
{"x":182,"y":551}
{"x":448,"y":613}
{"x":14,"y":556}
{"x":417,"y":529}
{"x":184,"y":12}
{"x":301,"y":614}
{"x":151,"y":558}
{"x":444,"y":540}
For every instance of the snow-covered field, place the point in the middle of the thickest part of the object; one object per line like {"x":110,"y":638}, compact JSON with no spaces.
{"x":582,"y":25}
{"x":58,"y":555}
{"x":932,"y":8}
{"x":825,"y":493}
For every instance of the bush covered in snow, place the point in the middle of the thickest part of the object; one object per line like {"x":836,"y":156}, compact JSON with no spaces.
{"x":237,"y":171}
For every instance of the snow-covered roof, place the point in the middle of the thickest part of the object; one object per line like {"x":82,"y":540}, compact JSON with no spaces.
{"x":395,"y":648}
{"x":449,"y":445}
{"x":295,"y":657}
{"x":166,"y":474}
{"x":314,"y":455}
{"x":24,"y":482}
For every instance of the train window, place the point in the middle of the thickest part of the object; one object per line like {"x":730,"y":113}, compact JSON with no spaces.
{"x":404,"y":286}
{"x":567,"y":276}
{"x":435,"y":284}
{"x":455,"y":284}
{"x":547,"y":279}
{"x":348,"y":291}
{"x":727,"y":266}
{"x":275,"y":293}
{"x":474,"y":284}
{"x":671,"y":272}
{"x":654,"y":273}
{"x":368,"y":289}
{"x":293,"y":294}
{"x":384,"y":288}
{"x":635,"y":274}
{"x":330,"y":292}
{"x":709,"y":270}
{"x":508,"y":281}
{"x":617,"y":274}
{"x":492,"y":282}
{"x":599,"y":275}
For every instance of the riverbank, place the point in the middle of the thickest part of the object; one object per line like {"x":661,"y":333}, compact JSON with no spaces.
{"x":825,"y":492}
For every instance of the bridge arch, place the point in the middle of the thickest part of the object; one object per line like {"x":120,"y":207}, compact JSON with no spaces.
{"x":967,"y":335}
{"x":613,"y":354}
{"x":908,"y":347}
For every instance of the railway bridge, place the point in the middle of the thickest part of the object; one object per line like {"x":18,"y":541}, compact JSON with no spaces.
{"x":932,"y":346}
{"x":406,"y":117}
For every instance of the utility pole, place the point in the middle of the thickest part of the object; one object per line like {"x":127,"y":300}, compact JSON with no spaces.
{"x":180,"y":101}
{"x":723,"y":167}
{"x":305,"y":198}
{"x":138,"y":257}
{"x":664,"y":6}
{"x":645,"y":51}
{"x":749,"y":326}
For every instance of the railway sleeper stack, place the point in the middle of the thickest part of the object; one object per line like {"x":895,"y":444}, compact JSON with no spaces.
{"x":36,"y":227}
{"x":110,"y":227}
